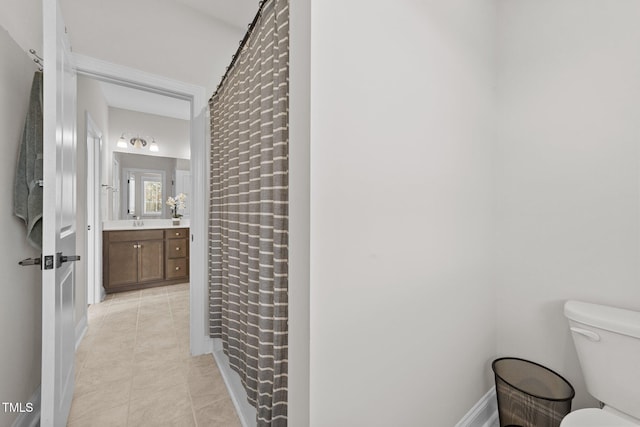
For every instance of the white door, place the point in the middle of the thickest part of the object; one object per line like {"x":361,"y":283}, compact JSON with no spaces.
{"x":95,"y":291}
{"x":115,"y":195}
{"x":183,"y":185}
{"x":59,"y":224}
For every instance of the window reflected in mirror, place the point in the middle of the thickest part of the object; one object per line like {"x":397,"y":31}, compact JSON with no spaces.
{"x":152,"y":196}
{"x":131,"y":182}
{"x":145,"y":193}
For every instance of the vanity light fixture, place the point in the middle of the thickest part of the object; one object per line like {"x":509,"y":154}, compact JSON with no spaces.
{"x":122,"y":143}
{"x":137,"y":142}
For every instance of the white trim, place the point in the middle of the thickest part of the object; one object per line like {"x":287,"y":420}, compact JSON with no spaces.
{"x":95,"y":291}
{"x":246,"y":413}
{"x":200,"y":342}
{"x":30,"y":419}
{"x":131,"y":77}
{"x":81,"y":329}
{"x":299,"y":305}
{"x":483,"y":414}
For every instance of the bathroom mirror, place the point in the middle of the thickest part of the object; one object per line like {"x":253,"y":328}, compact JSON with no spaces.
{"x":146,"y":182}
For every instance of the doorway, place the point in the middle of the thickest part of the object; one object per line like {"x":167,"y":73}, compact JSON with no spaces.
{"x":101,"y":71}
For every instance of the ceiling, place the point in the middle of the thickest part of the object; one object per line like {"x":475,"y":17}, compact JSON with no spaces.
{"x":237,"y":13}
{"x":145,"y":102}
{"x":187,"y":40}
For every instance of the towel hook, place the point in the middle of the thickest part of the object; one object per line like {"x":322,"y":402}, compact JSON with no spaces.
{"x":37,"y":59}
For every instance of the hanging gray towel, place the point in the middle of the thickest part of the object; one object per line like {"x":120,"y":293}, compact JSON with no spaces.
{"x":27,"y":192}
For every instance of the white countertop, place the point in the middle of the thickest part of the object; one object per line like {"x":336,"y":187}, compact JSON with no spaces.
{"x":144,"y":224}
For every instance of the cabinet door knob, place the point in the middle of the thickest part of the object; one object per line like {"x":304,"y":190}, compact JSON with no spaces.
{"x":177,"y":248}
{"x":135,"y":246}
{"x":177,"y":268}
{"x":177,"y":234}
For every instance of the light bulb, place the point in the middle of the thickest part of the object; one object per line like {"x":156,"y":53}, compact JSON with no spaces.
{"x":122,"y":143}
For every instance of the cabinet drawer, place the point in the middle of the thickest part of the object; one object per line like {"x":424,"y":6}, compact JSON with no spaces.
{"x":132,"y":236}
{"x":176,"y":268}
{"x":177,"y":233}
{"x":177,"y":248}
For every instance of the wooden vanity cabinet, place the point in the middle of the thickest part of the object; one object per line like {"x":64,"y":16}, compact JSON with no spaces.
{"x":138,"y":259}
{"x":177,"y":250}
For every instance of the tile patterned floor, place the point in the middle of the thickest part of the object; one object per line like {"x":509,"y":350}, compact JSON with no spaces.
{"x":133,"y":366}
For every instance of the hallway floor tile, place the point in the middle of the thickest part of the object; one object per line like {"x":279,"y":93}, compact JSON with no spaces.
{"x":133,"y":366}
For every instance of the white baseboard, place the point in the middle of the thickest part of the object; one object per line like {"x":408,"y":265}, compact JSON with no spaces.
{"x":81,"y":329}
{"x":484,"y":413}
{"x":30,"y":419}
{"x":202,"y":345}
{"x":246,"y":412}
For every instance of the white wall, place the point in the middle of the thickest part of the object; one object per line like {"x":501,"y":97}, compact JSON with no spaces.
{"x":172,"y":135}
{"x":91,"y":100}
{"x":402,"y":303}
{"x":568,"y":182}
{"x":183,"y":164}
{"x":20,"y":287}
{"x":299,"y":210}
{"x":23,"y":20}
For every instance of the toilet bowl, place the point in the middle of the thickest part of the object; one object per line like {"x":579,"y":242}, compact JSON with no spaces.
{"x":607,"y":341}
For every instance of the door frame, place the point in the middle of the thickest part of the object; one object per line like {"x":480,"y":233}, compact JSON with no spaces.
{"x":115,"y":188}
{"x":95,"y":291}
{"x":200,"y":342}
{"x":180,"y":174}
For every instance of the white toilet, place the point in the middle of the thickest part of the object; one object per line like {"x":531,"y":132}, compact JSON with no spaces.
{"x":607,"y":340}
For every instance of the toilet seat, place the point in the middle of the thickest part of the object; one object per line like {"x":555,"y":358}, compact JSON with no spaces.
{"x":592,"y":417}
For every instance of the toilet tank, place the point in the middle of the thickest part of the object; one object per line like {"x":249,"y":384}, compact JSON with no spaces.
{"x":607,"y":340}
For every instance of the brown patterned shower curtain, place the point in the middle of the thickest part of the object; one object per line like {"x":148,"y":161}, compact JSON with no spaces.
{"x":248,"y":230}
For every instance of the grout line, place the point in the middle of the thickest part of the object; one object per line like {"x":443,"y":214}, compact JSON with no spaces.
{"x":177,"y":324}
{"x":133,"y":358}
{"x":175,"y":332}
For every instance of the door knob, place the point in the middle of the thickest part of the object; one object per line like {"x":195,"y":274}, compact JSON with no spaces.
{"x":61,"y":259}
{"x":30,"y":261}
{"x":45,"y":262}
